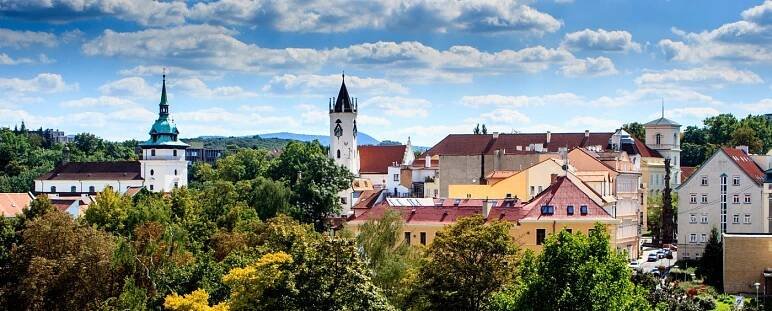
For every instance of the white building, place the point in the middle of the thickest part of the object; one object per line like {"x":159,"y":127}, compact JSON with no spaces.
{"x":727,"y":193}
{"x":343,"y":130}
{"x":664,"y":136}
{"x":161,"y":169}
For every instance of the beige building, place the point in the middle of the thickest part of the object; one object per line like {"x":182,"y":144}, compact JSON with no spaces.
{"x":747,"y":261}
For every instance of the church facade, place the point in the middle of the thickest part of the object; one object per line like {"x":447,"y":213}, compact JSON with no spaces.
{"x":162,"y":168}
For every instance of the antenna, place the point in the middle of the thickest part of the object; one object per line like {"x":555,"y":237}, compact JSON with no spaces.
{"x":663,"y":107}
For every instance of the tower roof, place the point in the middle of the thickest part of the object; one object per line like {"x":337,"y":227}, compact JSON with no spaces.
{"x":343,"y":102}
{"x":663,"y":121}
{"x":163,"y":133}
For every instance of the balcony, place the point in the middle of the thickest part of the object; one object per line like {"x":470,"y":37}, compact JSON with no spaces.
{"x":664,"y":146}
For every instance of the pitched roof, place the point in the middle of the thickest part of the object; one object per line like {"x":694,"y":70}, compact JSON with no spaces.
{"x":420,"y":162}
{"x":115,"y":170}
{"x":377,"y":159}
{"x":562,"y":193}
{"x":444,"y":211}
{"x":687,"y":171}
{"x":343,"y":102}
{"x":471,"y":144}
{"x":643,"y":150}
{"x":11,"y":204}
{"x":368,"y":198}
{"x":663,"y":121}
{"x":745,"y":163}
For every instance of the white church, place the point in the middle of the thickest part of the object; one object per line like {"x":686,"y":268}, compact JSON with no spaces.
{"x":161,"y":169}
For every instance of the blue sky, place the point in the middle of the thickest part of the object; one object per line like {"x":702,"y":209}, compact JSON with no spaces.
{"x":418,"y":68}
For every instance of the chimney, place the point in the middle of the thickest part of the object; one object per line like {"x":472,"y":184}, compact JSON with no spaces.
{"x":553,"y":178}
{"x":487,"y":206}
{"x":428,"y":160}
{"x":549,"y":137}
{"x":495,"y":135}
{"x":586,"y":133}
{"x":497,"y":160}
{"x":743,"y":148}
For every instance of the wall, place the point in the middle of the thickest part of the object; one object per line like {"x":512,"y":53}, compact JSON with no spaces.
{"x":82,"y":186}
{"x":465,"y":170}
{"x":745,"y":259}
{"x":165,"y":170}
{"x":519,"y":185}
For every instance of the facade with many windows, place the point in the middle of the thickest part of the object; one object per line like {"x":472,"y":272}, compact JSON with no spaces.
{"x":726,"y":193}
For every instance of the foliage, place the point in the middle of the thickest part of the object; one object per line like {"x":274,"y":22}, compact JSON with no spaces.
{"x":109,"y":212}
{"x":233,"y":142}
{"x":467,"y":262}
{"x":711,"y":264}
{"x":393,"y":263}
{"x":578,"y":272}
{"x":635,"y":129}
{"x":198,"y":300}
{"x":746,"y":136}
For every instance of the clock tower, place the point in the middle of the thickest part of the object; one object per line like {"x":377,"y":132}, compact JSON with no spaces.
{"x":343,"y":130}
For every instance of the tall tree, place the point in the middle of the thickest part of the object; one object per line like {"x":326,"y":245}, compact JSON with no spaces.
{"x":746,"y":136}
{"x":635,"y":129}
{"x":720,"y":128}
{"x":668,"y":220}
{"x":477,"y":129}
{"x":467,"y":262}
{"x":484,"y":130}
{"x":712,"y":261}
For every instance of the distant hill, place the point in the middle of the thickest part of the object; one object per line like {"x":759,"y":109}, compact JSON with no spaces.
{"x":362,"y":139}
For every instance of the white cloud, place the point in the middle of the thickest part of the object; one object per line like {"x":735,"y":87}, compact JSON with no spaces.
{"x":196,"y":87}
{"x":697,"y":113}
{"x":521,"y":101}
{"x":761,"y":14}
{"x":397,"y":106}
{"x":205,"y":47}
{"x":23,"y":39}
{"x":5,"y":59}
{"x":700,"y":76}
{"x":310,"y":83}
{"x":131,"y":86}
{"x":761,"y":106}
{"x":372,"y":121}
{"x":598,"y":67}
{"x":99,"y":102}
{"x":42,"y":83}
{"x":157,"y":71}
{"x":144,"y":12}
{"x":594,"y":123}
{"x":601,"y":40}
{"x":505,"y":115}
{"x":312,"y":114}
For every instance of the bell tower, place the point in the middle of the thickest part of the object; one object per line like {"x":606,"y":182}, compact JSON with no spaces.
{"x":343,"y":130}
{"x":664,"y":136}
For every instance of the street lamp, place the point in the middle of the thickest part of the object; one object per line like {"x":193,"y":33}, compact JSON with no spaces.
{"x":756,"y":285}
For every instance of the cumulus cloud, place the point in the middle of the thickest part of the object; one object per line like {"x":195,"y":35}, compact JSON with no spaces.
{"x":23,"y":39}
{"x":487,"y":16}
{"x":206,"y":47}
{"x":699,"y":76}
{"x":761,"y":106}
{"x":99,"y":102}
{"x":397,"y":106}
{"x":196,"y":87}
{"x":42,"y":83}
{"x":598,"y":67}
{"x":696,"y":113}
{"x":601,"y":40}
{"x":761,"y":14}
{"x":131,"y":86}
{"x":310,"y":83}
{"x":521,"y":101}
{"x":505,"y":115}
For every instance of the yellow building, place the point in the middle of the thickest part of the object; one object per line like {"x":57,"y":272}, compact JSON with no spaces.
{"x":747,"y":261}
{"x":566,"y":203}
{"x":522,"y":185}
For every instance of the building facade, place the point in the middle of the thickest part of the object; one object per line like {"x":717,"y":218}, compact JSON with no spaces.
{"x":343,"y":130}
{"x":747,"y":263}
{"x":725,"y":193}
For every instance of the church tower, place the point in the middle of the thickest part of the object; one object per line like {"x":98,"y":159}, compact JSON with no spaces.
{"x":664,"y":136}
{"x":343,"y":130}
{"x":163,"y":155}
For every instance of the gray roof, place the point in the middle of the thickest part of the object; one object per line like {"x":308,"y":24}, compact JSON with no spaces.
{"x":663,"y":121}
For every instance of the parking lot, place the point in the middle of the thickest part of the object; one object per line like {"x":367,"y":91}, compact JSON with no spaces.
{"x":647,"y":266}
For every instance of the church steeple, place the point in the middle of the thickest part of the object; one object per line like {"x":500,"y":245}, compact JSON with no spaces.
{"x":163,"y":107}
{"x":164,"y":132}
{"x":344,"y":102}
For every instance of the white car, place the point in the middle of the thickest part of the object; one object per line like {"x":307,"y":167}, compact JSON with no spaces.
{"x":634,"y":265}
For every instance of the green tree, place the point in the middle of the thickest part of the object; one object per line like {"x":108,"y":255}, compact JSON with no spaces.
{"x":578,"y":272}
{"x":244,"y":164}
{"x":393,"y":263}
{"x":109,"y":211}
{"x":269,"y":198}
{"x":712,"y":261}
{"x":746,"y":136}
{"x":695,"y":135}
{"x":635,"y":129}
{"x":476,"y":130}
{"x":719,"y":128}
{"x":314,"y":179}
{"x":467,"y":262}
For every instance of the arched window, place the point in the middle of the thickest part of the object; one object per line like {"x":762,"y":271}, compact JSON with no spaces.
{"x":73,"y":189}
{"x":91,"y":189}
{"x":151,"y":187}
{"x":675,"y":139}
{"x":338,"y":153}
{"x":152,"y":172}
{"x":658,"y":138}
{"x":53,"y":188}
{"x":175,"y":172}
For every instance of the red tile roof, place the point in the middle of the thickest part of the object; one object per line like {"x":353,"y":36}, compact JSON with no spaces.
{"x":471,"y":144}
{"x":377,"y":159}
{"x":445,"y":212}
{"x":644,"y":150}
{"x":368,"y":198}
{"x":113,"y":170}
{"x":687,"y":171}
{"x":11,"y":204}
{"x":745,"y":163}
{"x":420,"y":162}
{"x":560,"y":195}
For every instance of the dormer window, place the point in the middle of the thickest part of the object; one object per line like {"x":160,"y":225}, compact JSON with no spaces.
{"x":570,"y":210}
{"x":583,"y":210}
{"x":547,"y":210}
{"x":174,"y":152}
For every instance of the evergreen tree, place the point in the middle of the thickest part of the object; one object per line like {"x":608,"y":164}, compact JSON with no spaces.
{"x":477,"y":129}
{"x":668,"y":220}
{"x":712,"y":262}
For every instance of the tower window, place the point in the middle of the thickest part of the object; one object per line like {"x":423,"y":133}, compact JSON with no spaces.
{"x":73,"y":189}
{"x":53,"y":188}
{"x":338,"y":153}
{"x":152,"y":152}
{"x":152,"y":172}
{"x":91,"y":189}
{"x":175,"y":172}
{"x":151,"y":187}
{"x":658,"y":138}
{"x":174,"y":152}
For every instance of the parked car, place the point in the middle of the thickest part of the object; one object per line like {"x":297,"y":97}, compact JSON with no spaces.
{"x":655,"y":272}
{"x":634,"y":265}
{"x":660,"y":254}
{"x":668,"y":254}
{"x":652,"y":257}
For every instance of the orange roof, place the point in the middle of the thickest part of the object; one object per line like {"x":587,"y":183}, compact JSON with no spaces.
{"x":745,"y":163}
{"x":687,"y":171}
{"x":377,"y":159}
{"x":562,"y":194}
{"x":11,"y":204}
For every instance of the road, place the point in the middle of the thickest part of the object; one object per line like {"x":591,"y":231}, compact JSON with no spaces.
{"x":648,"y":266}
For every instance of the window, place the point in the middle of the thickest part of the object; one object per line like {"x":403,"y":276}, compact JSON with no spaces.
{"x":540,"y":189}
{"x":407,"y":238}
{"x":747,"y":199}
{"x":747,"y":219}
{"x":736,"y":181}
{"x":91,"y":189}
{"x":722,"y":201}
{"x":704,"y":199}
{"x":736,"y":219}
{"x":569,"y":230}
{"x":175,"y":172}
{"x":541,"y":234}
{"x":570,"y":210}
{"x":693,"y":199}
{"x":736,"y":199}
{"x":692,"y":218}
{"x":396,"y":177}
{"x":176,"y":184}
{"x":73,"y":189}
{"x":658,"y":138}
{"x":53,"y":188}
{"x":693,"y":238}
{"x":338,"y":153}
{"x":423,"y":238}
{"x":704,"y":181}
{"x":152,"y":152}
{"x":151,"y":187}
{"x":343,"y":200}
{"x":583,"y":210}
{"x":174,"y":153}
{"x":704,"y":218}
{"x":703,"y":238}
{"x":547,"y":210}
{"x":152,"y":172}
{"x":533,"y":190}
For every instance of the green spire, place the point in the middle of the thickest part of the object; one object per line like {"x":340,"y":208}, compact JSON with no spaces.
{"x":163,"y":106}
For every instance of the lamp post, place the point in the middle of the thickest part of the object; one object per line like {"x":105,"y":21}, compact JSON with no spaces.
{"x":756,"y":285}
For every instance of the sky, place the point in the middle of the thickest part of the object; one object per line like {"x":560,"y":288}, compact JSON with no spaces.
{"x":418,"y":68}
